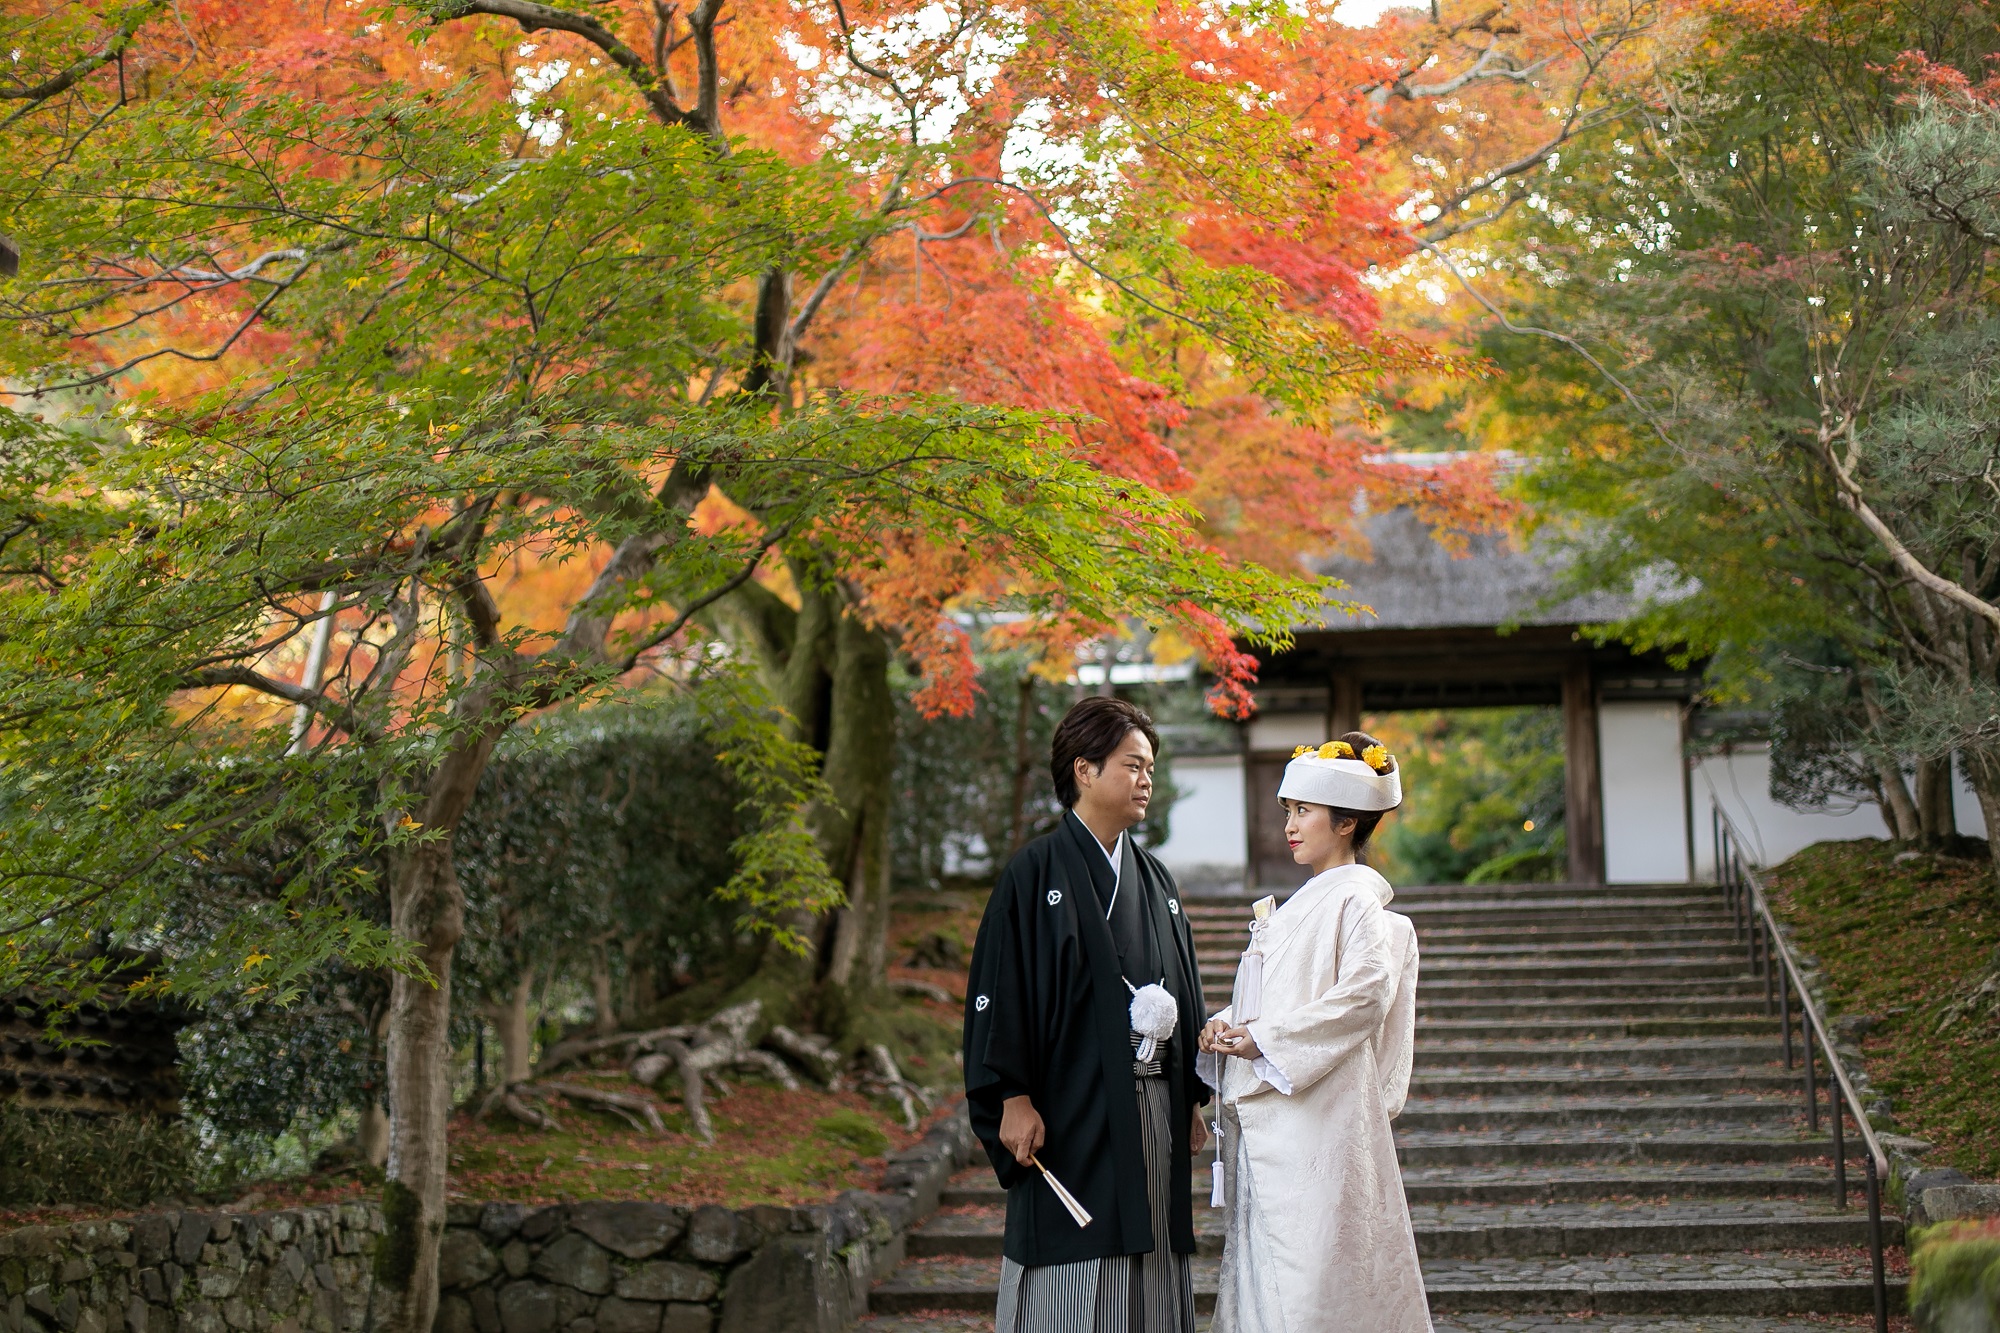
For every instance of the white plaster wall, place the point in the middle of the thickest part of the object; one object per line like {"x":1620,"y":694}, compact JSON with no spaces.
{"x":1740,"y":782}
{"x":1642,"y":785}
{"x":1206,"y":838}
{"x":1965,"y":805}
{"x":1287,"y":731}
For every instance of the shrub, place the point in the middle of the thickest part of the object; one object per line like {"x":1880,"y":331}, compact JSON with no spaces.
{"x":1955,"y":1277}
{"x":51,"y":1157}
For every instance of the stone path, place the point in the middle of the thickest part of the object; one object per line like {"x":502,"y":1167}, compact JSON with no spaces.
{"x":1601,"y":1136}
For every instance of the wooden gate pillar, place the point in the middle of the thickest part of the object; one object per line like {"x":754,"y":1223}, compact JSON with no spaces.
{"x":1583,"y":805}
{"x":1343,"y":703}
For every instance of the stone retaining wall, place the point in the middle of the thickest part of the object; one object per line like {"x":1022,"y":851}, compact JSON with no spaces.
{"x":504,"y":1268}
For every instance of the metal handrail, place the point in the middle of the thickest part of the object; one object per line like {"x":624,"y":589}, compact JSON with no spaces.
{"x":1751,"y":912}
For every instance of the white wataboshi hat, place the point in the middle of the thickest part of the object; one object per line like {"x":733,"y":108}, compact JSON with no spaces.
{"x":1342,"y":782}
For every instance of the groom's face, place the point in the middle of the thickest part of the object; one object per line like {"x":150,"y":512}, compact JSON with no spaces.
{"x":1118,"y":791}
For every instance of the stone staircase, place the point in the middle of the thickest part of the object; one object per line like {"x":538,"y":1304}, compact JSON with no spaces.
{"x":1600,"y":1133}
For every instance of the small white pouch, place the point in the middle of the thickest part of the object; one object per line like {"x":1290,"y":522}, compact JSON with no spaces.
{"x":1248,"y":1003}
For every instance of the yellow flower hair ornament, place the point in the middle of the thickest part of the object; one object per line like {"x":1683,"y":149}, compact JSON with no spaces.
{"x":1336,"y":750}
{"x":1376,"y":757}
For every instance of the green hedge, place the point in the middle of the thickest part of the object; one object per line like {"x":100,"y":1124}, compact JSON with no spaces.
{"x":55,"y":1157}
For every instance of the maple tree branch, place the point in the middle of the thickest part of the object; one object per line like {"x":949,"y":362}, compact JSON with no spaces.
{"x":708,"y":79}
{"x":892,"y":200}
{"x":257,"y":312}
{"x":80,"y":69}
{"x":1532,"y":330}
{"x":709,"y":598}
{"x":248,"y":678}
{"x":534,"y":17}
{"x":1525,"y":163}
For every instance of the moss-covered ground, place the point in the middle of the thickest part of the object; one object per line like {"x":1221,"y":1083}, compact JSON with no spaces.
{"x":1899,"y":941}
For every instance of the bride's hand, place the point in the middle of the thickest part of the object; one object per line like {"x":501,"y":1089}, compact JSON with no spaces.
{"x":1215,"y":1028}
{"x":1238,"y":1042}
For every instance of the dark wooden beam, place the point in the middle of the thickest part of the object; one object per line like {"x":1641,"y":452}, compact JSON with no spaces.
{"x":10,"y":256}
{"x":1344,"y":713}
{"x":1583,"y":815}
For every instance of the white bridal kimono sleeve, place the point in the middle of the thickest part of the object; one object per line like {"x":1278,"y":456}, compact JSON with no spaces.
{"x":1318,"y":1236}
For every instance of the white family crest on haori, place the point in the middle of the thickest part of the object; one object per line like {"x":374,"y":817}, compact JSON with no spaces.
{"x":1317,"y":1230}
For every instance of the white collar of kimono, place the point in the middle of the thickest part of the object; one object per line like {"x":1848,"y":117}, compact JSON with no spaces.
{"x":1315,"y":891}
{"x":1114,"y":854}
{"x":1328,"y":879}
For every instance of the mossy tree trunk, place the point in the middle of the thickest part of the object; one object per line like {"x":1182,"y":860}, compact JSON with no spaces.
{"x":830,"y":671}
{"x":427,"y":909}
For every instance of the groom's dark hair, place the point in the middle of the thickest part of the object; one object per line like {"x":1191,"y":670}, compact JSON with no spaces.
{"x":1092,"y":731}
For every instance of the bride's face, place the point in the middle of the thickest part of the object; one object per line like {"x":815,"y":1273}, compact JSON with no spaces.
{"x":1315,"y":837}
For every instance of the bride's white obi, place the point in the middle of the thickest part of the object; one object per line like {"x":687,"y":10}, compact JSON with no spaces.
{"x":1318,"y":1231}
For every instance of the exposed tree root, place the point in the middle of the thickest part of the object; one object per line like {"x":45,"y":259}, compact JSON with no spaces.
{"x":639,"y":1112}
{"x":923,"y":990}
{"x":885,"y":1078}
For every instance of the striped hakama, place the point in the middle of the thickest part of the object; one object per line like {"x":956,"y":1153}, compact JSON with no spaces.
{"x":1127,"y":1293}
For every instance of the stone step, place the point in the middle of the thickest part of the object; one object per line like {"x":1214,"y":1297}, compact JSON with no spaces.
{"x":1547,"y":1145}
{"x":958,"y":1321}
{"x":1593,"y":1108}
{"x":1631,"y":1008}
{"x":1451,"y":971}
{"x":1700,"y":946}
{"x":1628,"y":1182}
{"x":1636,"y":985}
{"x":1619,"y":902}
{"x":950,"y":1321}
{"x":1597,"y":1080}
{"x":1459,"y":1230}
{"x":1755,"y":1283}
{"x":1537,"y":1183}
{"x":1562,"y":931}
{"x":1203,"y":907}
{"x":1686,"y":1052}
{"x":1648,"y":1024}
{"x":1704,"y":910}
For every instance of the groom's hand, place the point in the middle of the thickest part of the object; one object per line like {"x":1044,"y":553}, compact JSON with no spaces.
{"x":1197,"y":1133}
{"x":1021,"y":1129}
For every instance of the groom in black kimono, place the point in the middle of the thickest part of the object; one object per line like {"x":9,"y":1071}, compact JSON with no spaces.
{"x":1079,"y":920}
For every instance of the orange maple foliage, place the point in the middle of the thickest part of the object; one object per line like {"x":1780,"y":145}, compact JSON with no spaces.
{"x":1262,"y":146}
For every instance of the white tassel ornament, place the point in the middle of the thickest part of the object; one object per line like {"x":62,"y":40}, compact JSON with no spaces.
{"x":1154,"y":1016}
{"x":1248,"y":1002}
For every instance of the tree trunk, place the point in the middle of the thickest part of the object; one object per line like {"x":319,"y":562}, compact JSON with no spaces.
{"x":1982,"y":768}
{"x":372,"y":1138}
{"x":1024,"y":711}
{"x":860,"y":767}
{"x":427,"y":908}
{"x":1936,"y":820}
{"x":642,"y":990}
{"x":831,"y":672}
{"x":1898,"y":810}
{"x":510,"y":1021}
{"x":605,"y":1021}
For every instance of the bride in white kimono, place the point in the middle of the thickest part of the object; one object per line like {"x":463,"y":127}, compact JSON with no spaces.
{"x":1311,"y":1062}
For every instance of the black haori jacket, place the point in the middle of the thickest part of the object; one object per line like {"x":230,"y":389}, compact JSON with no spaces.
{"x":1047,"y":1014}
